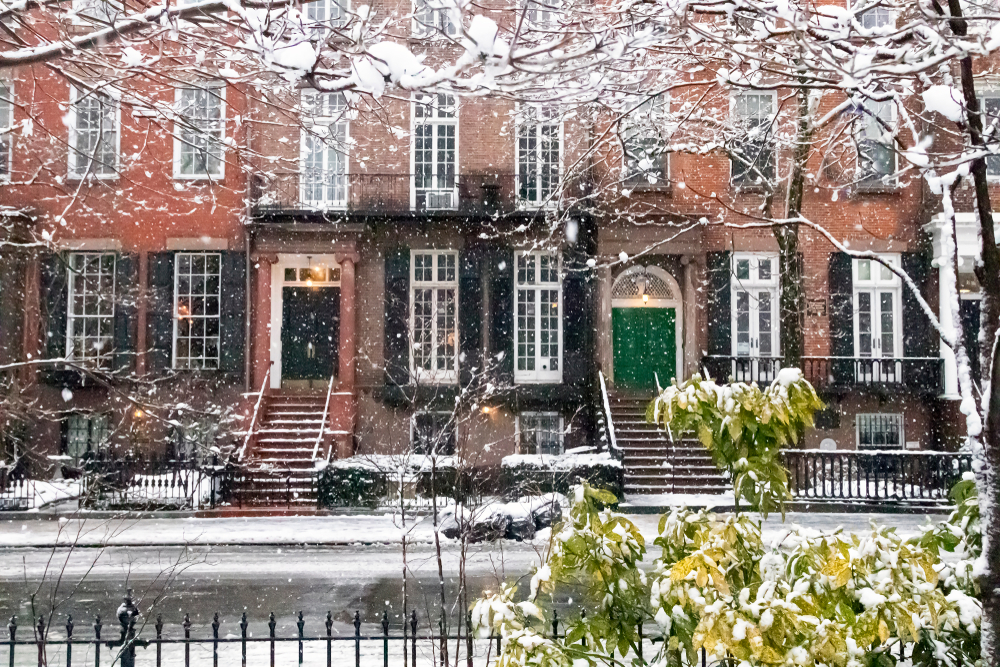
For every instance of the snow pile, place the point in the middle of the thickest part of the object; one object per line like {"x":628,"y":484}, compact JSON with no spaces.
{"x":393,"y":463}
{"x":34,"y":494}
{"x":573,"y":459}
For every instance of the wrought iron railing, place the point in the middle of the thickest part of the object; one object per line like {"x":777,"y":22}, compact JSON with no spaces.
{"x":922,"y":375}
{"x":762,"y":370}
{"x":279,"y":194}
{"x":873,"y":476}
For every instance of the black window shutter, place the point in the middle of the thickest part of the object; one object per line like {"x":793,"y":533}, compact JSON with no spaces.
{"x":470,"y":315}
{"x":233,"y":310}
{"x":502,"y":315}
{"x":126,"y":274}
{"x":396,"y":347}
{"x":719,"y":310}
{"x":841,"y":278}
{"x":917,"y":339}
{"x":160,"y":312}
{"x":54,"y":294}
{"x":578,"y":286}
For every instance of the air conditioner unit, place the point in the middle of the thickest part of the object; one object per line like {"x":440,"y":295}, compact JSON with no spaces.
{"x":440,"y":200}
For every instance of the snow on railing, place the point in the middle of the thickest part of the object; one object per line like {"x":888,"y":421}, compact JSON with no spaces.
{"x":253,"y":419}
{"x":322,"y":424}
{"x":607,"y":414}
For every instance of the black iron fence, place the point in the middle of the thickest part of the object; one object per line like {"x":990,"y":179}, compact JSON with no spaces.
{"x":874,"y":476}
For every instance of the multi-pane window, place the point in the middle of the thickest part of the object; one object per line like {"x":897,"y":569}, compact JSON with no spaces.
{"x":86,"y":435}
{"x":880,"y":431}
{"x":433,"y":433}
{"x":6,"y":125}
{"x":325,"y":13}
{"x":755,"y":306}
{"x":876,"y":17}
{"x":753,"y":149}
{"x":538,"y":145}
{"x":435,"y":152}
{"x":93,"y":138}
{"x":90,"y":321}
{"x":538,"y":304}
{"x":324,"y":150}
{"x":542,"y":13}
{"x":644,"y":142}
{"x":991,"y":130}
{"x":198,"y":132}
{"x":434,"y":317}
{"x":434,"y":16}
{"x":197,"y":293}
{"x":876,"y":156}
{"x":540,"y":433}
{"x":877,"y":331}
{"x":97,"y":11}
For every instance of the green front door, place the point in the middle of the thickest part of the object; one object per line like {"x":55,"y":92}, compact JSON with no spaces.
{"x":645,"y":341}
{"x":310,"y":332}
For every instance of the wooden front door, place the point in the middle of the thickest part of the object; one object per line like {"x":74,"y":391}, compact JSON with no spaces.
{"x":645,"y":346}
{"x":310,"y":332}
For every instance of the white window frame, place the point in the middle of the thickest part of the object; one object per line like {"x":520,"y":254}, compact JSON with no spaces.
{"x":993,"y":160}
{"x":438,"y":120}
{"x":74,"y":170}
{"x":538,"y":374}
{"x":520,"y":429}
{"x":176,"y":316}
{"x":884,"y":416}
{"x":634,"y":127}
{"x":756,"y":285}
{"x":884,"y":17}
{"x":435,"y":285}
{"x":6,"y":130}
{"x":80,"y":7}
{"x":541,"y":14}
{"x":180,"y":128}
{"x":310,"y":9}
{"x":867,"y":122}
{"x":447,"y":416}
{"x":772,"y":126}
{"x":342,"y":126}
{"x":103,"y":359}
{"x":878,"y":283}
{"x":540,"y":116}
{"x":429,"y":20}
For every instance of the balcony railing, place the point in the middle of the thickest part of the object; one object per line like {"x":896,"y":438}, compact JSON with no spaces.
{"x":290,"y":194}
{"x":922,"y":375}
{"x":761,"y":370}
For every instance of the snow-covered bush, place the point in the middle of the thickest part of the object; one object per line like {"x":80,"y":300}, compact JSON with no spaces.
{"x":743,"y":427}
{"x":812,"y":599}
{"x":545,"y":473}
{"x":367,"y":481}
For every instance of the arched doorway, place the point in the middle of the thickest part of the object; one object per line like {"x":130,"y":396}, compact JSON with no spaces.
{"x":646,"y":327}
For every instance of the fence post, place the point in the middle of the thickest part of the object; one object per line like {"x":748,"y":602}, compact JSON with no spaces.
{"x":413,"y":638}
{"x":12,"y":629}
{"x":40,"y":638}
{"x":302,"y":626}
{"x":187,"y":640}
{"x":468,"y":639}
{"x":159,"y":638}
{"x":69,"y":640}
{"x":329,"y":639}
{"x":443,"y":648}
{"x":270,"y":626}
{"x":640,"y":641}
{"x":555,"y":624}
{"x":357,"y":639}
{"x":215,"y":640}
{"x":243,"y":640}
{"x":385,"y":639}
{"x":97,"y":643}
{"x":127,"y":614}
{"x":583,"y":639}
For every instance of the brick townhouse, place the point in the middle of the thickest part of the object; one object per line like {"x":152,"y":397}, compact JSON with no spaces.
{"x":382,"y":267}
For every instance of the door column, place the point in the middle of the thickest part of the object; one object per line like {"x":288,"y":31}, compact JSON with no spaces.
{"x":343,"y":422}
{"x":261,"y":313}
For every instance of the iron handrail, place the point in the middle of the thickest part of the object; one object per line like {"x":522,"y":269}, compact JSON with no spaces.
{"x":253,"y":418}
{"x":322,"y":424}
{"x":607,"y":413}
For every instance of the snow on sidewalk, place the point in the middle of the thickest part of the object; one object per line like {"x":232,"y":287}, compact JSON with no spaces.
{"x":340,"y":530}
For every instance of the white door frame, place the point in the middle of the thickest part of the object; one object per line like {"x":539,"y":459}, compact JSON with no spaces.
{"x":296,"y":261}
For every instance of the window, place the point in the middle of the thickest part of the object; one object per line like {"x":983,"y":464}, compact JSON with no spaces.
{"x":434,"y":303}
{"x":432,"y":16}
{"x":880,"y":431}
{"x":876,"y":17}
{"x":86,"y":435}
{"x":538,"y":304}
{"x":877,"y":333}
{"x":435,"y":149}
{"x":197,"y":293}
{"x":90,"y":321}
{"x":542,"y":13}
{"x":753,"y":152}
{"x":876,"y":157}
{"x":755,"y":307}
{"x":991,"y":130}
{"x":97,"y":11}
{"x":199,"y":131}
{"x":93,"y":137}
{"x":644,"y":142}
{"x":433,"y":433}
{"x":326,"y":12}
{"x":540,"y":433}
{"x":6,"y":129}
{"x":538,"y":145}
{"x":324,"y":150}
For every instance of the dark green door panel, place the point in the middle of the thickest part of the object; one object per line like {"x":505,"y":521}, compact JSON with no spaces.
{"x":645,"y":346}
{"x":310,"y":332}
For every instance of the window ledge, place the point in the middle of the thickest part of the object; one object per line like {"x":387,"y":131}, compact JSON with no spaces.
{"x":861,"y":189}
{"x":664,"y":189}
{"x":749,"y":189}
